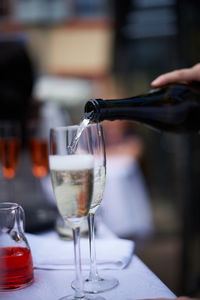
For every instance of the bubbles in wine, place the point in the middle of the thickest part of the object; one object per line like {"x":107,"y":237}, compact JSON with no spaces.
{"x":72,"y":178}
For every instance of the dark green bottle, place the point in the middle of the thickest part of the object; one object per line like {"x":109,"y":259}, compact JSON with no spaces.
{"x":173,"y":108}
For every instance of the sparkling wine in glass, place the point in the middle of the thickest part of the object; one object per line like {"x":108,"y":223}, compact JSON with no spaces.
{"x":72,"y":174}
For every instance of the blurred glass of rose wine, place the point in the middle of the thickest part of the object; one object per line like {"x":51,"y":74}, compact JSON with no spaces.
{"x":39,"y":156}
{"x":38,"y":146}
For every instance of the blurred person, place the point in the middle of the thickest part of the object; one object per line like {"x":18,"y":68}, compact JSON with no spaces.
{"x":17,"y":76}
{"x":126,"y":197}
{"x":16,"y":80}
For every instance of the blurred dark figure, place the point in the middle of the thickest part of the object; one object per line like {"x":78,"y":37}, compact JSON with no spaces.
{"x":16,"y":81}
{"x":17,"y":104}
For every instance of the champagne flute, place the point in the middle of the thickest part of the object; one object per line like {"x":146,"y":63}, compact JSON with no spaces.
{"x":95,"y":283}
{"x":72,"y":174}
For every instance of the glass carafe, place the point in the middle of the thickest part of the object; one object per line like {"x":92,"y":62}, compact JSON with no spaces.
{"x":16,"y":265}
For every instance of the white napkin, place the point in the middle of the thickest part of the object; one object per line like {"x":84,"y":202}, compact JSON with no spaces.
{"x":52,"y":253}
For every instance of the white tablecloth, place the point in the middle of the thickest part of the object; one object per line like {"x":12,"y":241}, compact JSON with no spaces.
{"x":136,"y":282}
{"x":53,"y":253}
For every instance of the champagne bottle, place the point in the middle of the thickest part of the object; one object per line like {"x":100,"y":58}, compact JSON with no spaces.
{"x":172,"y":108}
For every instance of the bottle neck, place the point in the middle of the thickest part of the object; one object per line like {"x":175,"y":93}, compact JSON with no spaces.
{"x":175,"y":91}
{"x":115,"y":109}
{"x":171,"y":108}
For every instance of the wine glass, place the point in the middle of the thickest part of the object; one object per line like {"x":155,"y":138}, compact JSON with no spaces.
{"x":95,"y":283}
{"x":72,"y":175}
{"x":38,"y":147}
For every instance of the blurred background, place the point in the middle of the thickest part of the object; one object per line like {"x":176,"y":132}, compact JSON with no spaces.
{"x":57,"y":54}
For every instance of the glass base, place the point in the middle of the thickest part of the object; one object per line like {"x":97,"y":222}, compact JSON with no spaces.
{"x":98,"y":286}
{"x":87,"y":297}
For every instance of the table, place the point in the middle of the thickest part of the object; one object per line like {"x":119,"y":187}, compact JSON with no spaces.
{"x":137,"y":281}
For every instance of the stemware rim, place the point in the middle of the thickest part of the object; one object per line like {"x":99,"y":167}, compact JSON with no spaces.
{"x":8,"y":206}
{"x":75,"y":126}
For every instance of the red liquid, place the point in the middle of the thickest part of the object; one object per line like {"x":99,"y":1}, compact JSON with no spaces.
{"x":16,"y":267}
{"x":9,"y":151}
{"x":39,"y":157}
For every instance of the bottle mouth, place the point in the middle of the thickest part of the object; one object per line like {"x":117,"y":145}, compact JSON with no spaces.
{"x":92,"y":109}
{"x":89,"y":106}
{"x":92,"y":106}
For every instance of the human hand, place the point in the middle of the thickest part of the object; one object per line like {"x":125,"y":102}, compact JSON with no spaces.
{"x":183,"y":75}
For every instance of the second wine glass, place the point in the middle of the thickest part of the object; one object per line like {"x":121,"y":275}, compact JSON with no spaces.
{"x":96,"y":283}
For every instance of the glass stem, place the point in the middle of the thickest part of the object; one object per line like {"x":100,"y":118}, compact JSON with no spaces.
{"x":77,"y":260}
{"x":93,"y":275}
